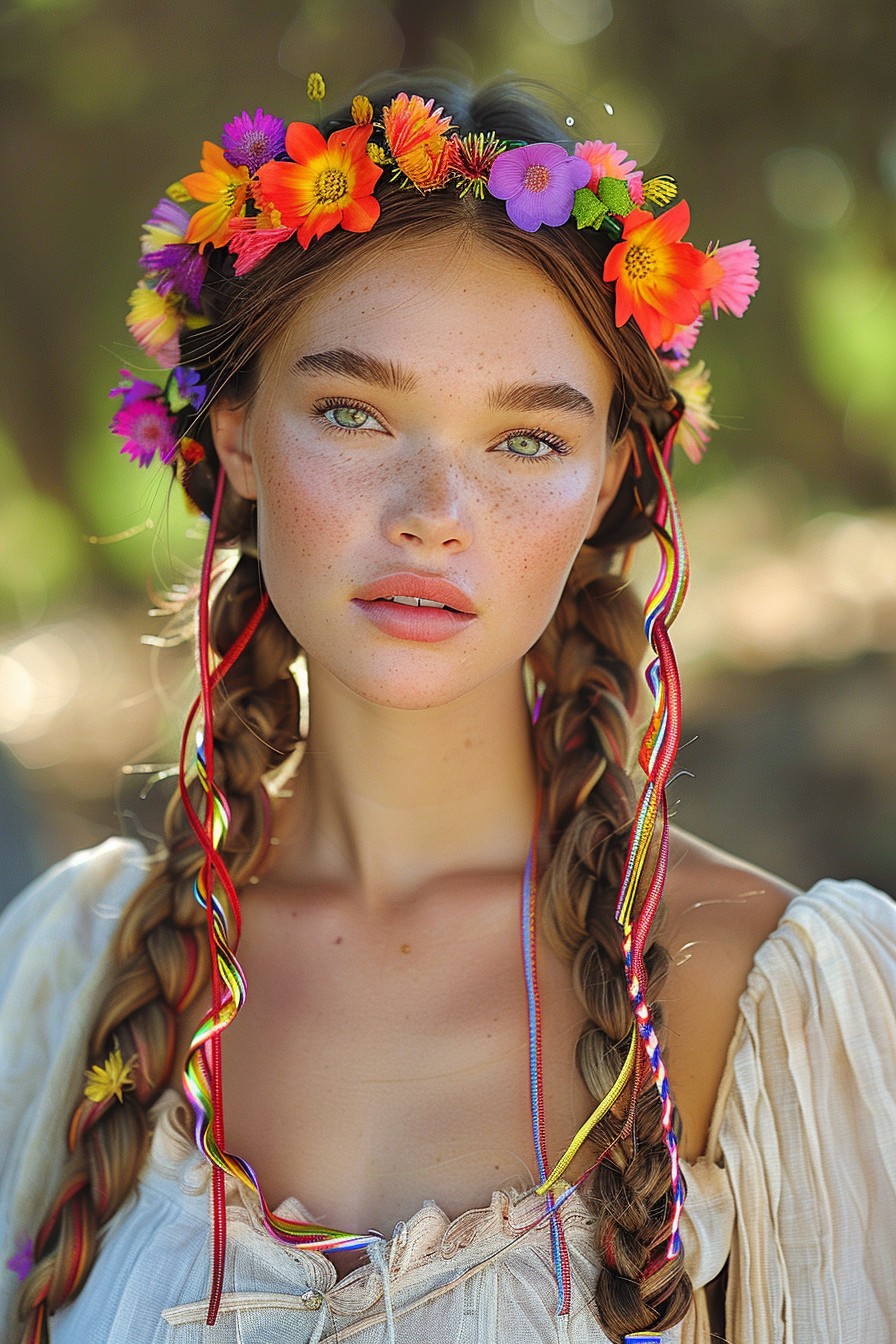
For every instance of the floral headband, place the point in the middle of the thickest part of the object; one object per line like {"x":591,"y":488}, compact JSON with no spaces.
{"x":269,"y":184}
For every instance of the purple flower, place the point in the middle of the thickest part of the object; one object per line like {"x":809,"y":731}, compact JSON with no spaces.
{"x":22,"y":1260}
{"x":167,"y":224}
{"x":134,"y":389}
{"x":539,"y":183}
{"x":251,"y":141}
{"x":181,"y":267}
{"x":190,"y":391}
{"x":147,"y":429}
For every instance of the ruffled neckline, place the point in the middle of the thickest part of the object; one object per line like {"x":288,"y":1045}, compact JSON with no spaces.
{"x":429,"y":1235}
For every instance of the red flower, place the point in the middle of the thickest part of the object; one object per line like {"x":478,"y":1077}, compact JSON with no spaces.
{"x":660,"y":281}
{"x":329,"y":182}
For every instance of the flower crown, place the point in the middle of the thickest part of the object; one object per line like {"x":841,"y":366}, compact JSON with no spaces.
{"x":268,"y":183}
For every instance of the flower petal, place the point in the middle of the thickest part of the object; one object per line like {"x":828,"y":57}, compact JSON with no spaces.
{"x":507,"y":174}
{"x":738,"y":283}
{"x":526,"y":210}
{"x":360,"y":215}
{"x":303,"y":141}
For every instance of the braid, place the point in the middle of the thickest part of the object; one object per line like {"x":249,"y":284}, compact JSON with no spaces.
{"x":160,"y":957}
{"x":588,"y":658}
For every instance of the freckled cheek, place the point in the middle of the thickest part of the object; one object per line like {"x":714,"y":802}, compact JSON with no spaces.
{"x":540,"y":545}
{"x":303,"y":512}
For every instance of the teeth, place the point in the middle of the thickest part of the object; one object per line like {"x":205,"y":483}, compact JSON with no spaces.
{"x":415,"y":602}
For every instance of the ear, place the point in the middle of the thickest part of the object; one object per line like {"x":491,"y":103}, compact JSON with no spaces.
{"x":618,"y":457}
{"x":229,"y":425}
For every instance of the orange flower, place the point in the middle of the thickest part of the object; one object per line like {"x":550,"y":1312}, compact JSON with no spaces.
{"x":224,"y":187}
{"x":660,"y":281}
{"x":416,"y":137}
{"x":329,"y":182}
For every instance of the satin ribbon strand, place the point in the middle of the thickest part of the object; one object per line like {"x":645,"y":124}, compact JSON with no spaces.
{"x":594,"y":1119}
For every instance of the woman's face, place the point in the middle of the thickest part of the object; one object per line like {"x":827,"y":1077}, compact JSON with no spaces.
{"x":438,"y":415}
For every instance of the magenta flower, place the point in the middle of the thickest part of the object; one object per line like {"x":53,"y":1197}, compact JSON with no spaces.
{"x":177,"y":266}
{"x":251,"y":141}
{"x":147,"y":429}
{"x":539,"y":183}
{"x":739,"y":263}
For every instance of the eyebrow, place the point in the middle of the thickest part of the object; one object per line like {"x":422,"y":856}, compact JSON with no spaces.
{"x":540,"y":397}
{"x":396,"y":378}
{"x":354,"y":364}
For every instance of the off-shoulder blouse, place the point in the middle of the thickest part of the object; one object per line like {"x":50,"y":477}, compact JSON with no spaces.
{"x":796,"y":1191}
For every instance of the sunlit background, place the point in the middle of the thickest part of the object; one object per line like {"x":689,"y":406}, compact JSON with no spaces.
{"x":778,"y":117}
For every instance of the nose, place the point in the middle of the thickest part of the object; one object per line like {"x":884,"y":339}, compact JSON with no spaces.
{"x":430,"y":506}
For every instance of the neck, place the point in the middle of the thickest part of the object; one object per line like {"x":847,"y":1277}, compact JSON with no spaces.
{"x":387,"y":800}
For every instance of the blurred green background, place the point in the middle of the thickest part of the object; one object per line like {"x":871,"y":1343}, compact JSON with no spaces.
{"x":778,"y":117}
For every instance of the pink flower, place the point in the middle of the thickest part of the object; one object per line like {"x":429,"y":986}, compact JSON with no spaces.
{"x":605,"y":160}
{"x":253,"y":238}
{"x":148,"y":430}
{"x":677,"y":351}
{"x":739,"y":263}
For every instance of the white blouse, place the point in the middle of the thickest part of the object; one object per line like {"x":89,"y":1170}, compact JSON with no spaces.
{"x":797,"y":1190}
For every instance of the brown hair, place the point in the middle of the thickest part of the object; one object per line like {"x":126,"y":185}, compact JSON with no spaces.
{"x":587,"y":659}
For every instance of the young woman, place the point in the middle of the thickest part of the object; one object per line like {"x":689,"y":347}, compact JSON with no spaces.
{"x":425,"y":374}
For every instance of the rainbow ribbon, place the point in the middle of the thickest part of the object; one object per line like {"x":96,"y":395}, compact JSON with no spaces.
{"x":657,"y":757}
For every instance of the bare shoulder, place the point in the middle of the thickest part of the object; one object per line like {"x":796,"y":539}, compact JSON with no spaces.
{"x":720,"y":910}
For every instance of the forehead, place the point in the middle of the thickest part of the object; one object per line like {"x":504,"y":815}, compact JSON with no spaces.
{"x":455,"y":305}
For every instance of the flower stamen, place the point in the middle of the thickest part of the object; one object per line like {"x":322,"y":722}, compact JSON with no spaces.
{"x":331,"y":186}
{"x":537,"y":177}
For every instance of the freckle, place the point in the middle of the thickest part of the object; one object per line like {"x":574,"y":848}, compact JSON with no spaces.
{"x":405,"y":947}
{"x":338,"y":940}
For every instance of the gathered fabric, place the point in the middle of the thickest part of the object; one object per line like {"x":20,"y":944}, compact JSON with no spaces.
{"x":796,"y":1192}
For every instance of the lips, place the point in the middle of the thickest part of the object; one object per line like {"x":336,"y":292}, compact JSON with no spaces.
{"x":416,"y":607}
{"x":424,"y":587}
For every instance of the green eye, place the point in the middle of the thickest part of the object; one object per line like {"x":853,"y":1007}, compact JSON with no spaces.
{"x":348,"y":417}
{"x":524,"y":445}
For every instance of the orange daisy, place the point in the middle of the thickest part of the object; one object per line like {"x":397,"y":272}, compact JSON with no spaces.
{"x":224,"y":187}
{"x":329,"y":182}
{"x":660,"y":281}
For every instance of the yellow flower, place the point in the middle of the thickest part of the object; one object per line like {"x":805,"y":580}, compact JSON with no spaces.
{"x":108,"y":1080}
{"x":696,"y":423}
{"x":362,"y":110}
{"x":377,"y":155}
{"x":316,"y":88}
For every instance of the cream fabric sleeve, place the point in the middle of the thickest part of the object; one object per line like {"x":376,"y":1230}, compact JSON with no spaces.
{"x":806,"y":1127}
{"x":53,"y":945}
